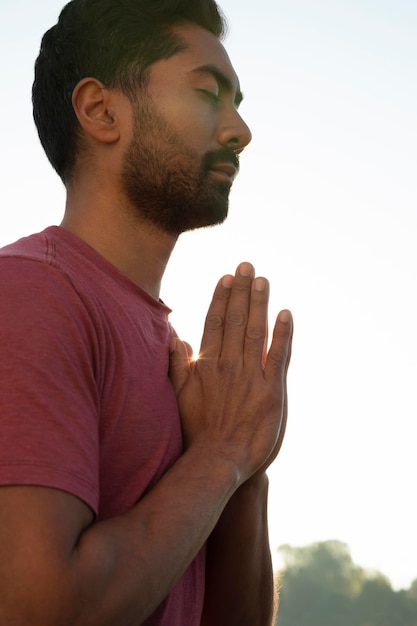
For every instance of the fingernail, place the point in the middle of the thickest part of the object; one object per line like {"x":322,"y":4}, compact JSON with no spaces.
{"x":284,"y":316}
{"x":260,"y":284}
{"x":245,"y":269}
{"x":227,"y":281}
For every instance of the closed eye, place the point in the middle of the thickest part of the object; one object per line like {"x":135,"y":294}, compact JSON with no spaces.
{"x":210,"y":95}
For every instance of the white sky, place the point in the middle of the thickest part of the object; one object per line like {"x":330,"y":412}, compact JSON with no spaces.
{"x":325,"y":207}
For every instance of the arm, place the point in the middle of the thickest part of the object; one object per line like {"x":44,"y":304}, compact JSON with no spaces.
{"x":239,"y":578}
{"x":240,"y":585}
{"x":58,"y":567}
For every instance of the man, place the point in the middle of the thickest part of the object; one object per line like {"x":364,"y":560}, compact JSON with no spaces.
{"x":133,"y":477}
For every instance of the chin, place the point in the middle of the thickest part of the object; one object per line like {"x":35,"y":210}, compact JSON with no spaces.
{"x":214,"y":218}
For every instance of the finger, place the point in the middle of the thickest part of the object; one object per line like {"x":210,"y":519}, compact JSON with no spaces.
{"x":180,"y":356}
{"x":237,"y":314}
{"x":257,"y":326}
{"x":212,"y":340}
{"x":279,"y":353}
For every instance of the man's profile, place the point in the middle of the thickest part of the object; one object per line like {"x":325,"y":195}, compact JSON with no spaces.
{"x":133,"y":485}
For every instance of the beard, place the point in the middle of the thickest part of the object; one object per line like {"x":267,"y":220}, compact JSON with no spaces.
{"x":169,"y":184}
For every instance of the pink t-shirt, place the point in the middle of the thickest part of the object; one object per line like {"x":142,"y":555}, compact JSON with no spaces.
{"x":86,"y":404}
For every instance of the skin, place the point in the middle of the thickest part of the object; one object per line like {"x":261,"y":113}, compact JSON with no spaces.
{"x":168,"y":182}
{"x":64,"y":569}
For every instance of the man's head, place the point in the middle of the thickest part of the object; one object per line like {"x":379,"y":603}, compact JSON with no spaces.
{"x":115,"y":41}
{"x":180,"y":162}
{"x":145,"y":101}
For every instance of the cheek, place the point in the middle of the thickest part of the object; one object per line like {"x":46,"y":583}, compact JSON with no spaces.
{"x":194,"y":124}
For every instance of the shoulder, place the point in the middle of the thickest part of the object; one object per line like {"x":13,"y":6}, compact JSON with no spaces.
{"x":29,"y":263}
{"x":33,"y":287}
{"x":47,"y":275}
{"x":41,"y":310}
{"x":31,"y":247}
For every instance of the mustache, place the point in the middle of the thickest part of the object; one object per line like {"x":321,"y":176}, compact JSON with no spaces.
{"x":222,"y":155}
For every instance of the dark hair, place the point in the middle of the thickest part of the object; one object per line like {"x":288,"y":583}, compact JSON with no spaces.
{"x":114,"y":41}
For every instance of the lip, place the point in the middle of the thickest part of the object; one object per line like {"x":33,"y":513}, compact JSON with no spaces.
{"x":226,"y":170}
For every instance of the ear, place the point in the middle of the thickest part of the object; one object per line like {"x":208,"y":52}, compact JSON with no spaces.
{"x":92,"y":104}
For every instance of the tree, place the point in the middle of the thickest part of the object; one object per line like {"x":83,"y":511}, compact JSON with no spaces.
{"x":320,"y":585}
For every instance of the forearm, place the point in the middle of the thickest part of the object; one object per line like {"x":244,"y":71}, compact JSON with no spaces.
{"x":149,"y":549}
{"x":239,"y":584}
{"x":119,"y":570}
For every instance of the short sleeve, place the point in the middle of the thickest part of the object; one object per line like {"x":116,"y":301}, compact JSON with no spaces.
{"x":49,"y":404}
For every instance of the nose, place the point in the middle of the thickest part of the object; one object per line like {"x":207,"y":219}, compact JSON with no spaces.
{"x":235,"y":133}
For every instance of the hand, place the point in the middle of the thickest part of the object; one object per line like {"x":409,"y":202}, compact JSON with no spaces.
{"x":233,"y":399}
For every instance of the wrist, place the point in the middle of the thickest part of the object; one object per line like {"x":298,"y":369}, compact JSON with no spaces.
{"x":259,"y":482}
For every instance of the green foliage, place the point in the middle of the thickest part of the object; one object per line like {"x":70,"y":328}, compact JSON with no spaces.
{"x":321,"y":586}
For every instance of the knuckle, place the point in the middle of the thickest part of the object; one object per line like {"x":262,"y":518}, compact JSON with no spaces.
{"x":227,"y":367}
{"x":255,"y":333}
{"x":244,"y":286}
{"x":236,"y":318}
{"x":214,"y":322}
{"x":222,"y":296}
{"x":205,"y":365}
{"x":278,"y":364}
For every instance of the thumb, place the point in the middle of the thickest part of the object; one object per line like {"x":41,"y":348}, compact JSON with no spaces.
{"x":180,"y":355}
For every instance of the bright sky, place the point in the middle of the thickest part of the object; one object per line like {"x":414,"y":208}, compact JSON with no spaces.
{"x":325,"y":207}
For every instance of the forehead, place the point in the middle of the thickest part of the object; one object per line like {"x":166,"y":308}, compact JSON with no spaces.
{"x":203,"y":49}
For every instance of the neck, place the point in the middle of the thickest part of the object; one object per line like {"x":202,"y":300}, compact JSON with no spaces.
{"x":137,"y":249}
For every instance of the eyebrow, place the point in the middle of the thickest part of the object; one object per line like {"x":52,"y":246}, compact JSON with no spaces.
{"x":221,"y":78}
